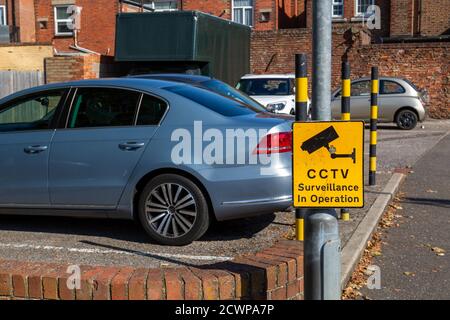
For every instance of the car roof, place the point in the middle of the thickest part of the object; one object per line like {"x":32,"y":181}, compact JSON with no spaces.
{"x":266,"y":76}
{"x":178,"y":77}
{"x":132,"y":83}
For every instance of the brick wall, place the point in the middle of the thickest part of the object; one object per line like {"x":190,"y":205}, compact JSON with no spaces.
{"x":425,"y":64}
{"x":435,"y":17}
{"x":98,"y":19}
{"x":275,"y":273}
{"x":68,"y":68}
{"x":402,"y":13}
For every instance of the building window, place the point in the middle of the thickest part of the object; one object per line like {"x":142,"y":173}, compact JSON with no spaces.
{"x":361,"y":7}
{"x":2,"y":15}
{"x":338,"y":8}
{"x":63,"y":21}
{"x":164,"y":5}
{"x":243,"y":12}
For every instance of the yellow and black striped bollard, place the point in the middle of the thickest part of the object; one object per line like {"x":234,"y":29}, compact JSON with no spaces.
{"x":373,"y":127}
{"x":345,"y":112}
{"x":301,"y":114}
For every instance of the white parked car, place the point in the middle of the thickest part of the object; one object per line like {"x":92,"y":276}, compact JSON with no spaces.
{"x":274,"y":91}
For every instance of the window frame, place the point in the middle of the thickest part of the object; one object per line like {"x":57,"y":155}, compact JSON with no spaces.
{"x":243,"y":8}
{"x":362,"y":14}
{"x":334,"y":4}
{"x":4,"y":17}
{"x":56,"y":21}
{"x":53,"y":124}
{"x":64,"y":123}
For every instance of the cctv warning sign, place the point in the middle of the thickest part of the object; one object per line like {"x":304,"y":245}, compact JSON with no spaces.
{"x":328,"y":164}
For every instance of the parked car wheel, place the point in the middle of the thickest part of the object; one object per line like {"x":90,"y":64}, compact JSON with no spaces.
{"x":173,"y":210}
{"x":292,"y":112}
{"x":406,"y":119}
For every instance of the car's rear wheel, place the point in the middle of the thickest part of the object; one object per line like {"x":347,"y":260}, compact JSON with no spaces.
{"x":173,"y":210}
{"x":406,"y":119}
{"x":292,"y":112}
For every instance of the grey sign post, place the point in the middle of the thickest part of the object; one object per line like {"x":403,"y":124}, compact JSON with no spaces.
{"x":322,"y":261}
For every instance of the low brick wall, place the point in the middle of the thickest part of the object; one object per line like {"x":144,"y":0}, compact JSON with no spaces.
{"x":69,"y":68}
{"x":275,"y":273}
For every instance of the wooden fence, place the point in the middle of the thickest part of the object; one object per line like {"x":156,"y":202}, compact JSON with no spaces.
{"x":13,"y":81}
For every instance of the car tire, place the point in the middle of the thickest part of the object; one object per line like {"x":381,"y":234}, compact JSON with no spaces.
{"x":292,"y":112}
{"x":173,"y":210}
{"x":406,"y":119}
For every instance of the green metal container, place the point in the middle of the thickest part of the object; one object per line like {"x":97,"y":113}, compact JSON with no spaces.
{"x":217,"y":47}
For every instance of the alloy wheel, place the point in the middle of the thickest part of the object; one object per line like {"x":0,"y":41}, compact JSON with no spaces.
{"x":171,"y":210}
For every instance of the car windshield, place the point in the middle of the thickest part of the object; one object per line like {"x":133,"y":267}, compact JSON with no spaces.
{"x":264,"y":86}
{"x":213,"y":101}
{"x":228,"y":91}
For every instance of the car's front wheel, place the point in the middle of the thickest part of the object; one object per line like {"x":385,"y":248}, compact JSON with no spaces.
{"x":173,"y":210}
{"x":406,"y":119}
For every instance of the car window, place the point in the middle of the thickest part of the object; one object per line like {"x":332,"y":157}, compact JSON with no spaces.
{"x":228,"y":91}
{"x":360,"y":88}
{"x":391,"y":87}
{"x":151,"y":111}
{"x":103,"y":107}
{"x":31,"y":113}
{"x":264,"y":87}
{"x":213,"y":101}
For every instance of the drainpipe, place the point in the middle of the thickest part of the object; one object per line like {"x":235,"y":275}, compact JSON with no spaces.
{"x":77,"y":47}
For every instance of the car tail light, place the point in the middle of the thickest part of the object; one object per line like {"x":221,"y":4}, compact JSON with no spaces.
{"x":279,"y":142}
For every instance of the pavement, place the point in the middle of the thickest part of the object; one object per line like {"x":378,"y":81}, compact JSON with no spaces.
{"x":124,"y":243}
{"x":415,"y":256}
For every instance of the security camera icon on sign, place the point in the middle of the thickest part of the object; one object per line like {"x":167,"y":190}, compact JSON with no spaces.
{"x":323,"y":140}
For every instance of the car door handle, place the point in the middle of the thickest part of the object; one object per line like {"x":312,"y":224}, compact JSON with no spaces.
{"x":35,"y":149}
{"x":130,"y":146}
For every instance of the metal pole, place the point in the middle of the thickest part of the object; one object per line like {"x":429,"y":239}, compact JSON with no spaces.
{"x":322,"y":244}
{"x":321,"y":76}
{"x":301,"y":114}
{"x":373,"y":127}
{"x":345,"y":112}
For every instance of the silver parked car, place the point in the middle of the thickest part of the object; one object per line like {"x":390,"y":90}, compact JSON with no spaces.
{"x":399,"y":101}
{"x":110,"y":148}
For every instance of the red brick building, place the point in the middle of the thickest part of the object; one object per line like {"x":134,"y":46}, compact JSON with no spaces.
{"x":46,"y":20}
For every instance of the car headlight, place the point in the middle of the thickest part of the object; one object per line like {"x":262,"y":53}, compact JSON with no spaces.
{"x":276,"y":106}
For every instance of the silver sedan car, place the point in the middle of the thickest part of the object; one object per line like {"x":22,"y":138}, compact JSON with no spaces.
{"x":173,"y":156}
{"x":399,"y":101}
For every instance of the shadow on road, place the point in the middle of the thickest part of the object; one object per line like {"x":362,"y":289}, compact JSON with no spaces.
{"x":444,"y":203}
{"x":126,"y":230}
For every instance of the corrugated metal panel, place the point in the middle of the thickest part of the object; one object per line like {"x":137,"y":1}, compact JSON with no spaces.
{"x":220,"y":47}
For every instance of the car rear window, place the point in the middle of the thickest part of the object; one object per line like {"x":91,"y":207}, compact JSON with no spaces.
{"x":213,"y":101}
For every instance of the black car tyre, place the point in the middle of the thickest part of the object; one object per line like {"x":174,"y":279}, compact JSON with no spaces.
{"x":406,"y":119}
{"x":173,"y":210}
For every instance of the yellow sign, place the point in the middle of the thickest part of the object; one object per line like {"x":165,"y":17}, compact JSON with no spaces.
{"x":328,"y":164}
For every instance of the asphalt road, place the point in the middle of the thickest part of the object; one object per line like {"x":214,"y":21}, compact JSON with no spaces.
{"x":410,"y":268}
{"x":109,"y":242}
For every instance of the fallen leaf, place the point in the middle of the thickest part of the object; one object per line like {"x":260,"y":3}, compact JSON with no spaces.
{"x":438,"y":250}
{"x":376,"y":253}
{"x":397,"y":207}
{"x":408,"y":273}
{"x":431,"y":191}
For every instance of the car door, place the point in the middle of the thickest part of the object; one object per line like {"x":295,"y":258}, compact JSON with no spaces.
{"x":26,"y":130}
{"x":360,"y":100}
{"x":105,"y":134}
{"x":390,"y":99}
